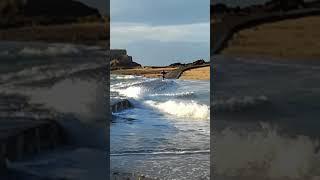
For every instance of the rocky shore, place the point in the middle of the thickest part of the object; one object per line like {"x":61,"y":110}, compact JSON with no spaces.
{"x":63,"y":21}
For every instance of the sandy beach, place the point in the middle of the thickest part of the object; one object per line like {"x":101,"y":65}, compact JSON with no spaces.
{"x":202,"y":73}
{"x":289,"y":39}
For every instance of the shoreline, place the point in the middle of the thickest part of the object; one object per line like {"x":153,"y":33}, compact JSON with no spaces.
{"x":91,"y":34}
{"x":190,"y":73}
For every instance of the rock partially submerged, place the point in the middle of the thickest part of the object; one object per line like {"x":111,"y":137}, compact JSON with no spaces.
{"x":120,"y":105}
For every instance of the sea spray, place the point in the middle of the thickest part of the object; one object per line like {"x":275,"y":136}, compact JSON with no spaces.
{"x":182,"y":108}
{"x":265,"y":154}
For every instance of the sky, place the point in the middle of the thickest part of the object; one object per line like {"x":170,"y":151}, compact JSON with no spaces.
{"x":161,"y":32}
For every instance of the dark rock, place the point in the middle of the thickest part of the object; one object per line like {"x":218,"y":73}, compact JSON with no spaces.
{"x":120,"y":59}
{"x":17,"y":13}
{"x":176,"y":64}
{"x":199,"y":62}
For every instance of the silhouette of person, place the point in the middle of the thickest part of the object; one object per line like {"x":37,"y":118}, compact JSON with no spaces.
{"x":163,"y":73}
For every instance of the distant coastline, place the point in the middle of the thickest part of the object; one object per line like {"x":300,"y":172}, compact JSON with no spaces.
{"x":191,"y":73}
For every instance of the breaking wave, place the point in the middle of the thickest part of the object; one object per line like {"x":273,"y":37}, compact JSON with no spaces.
{"x":50,"y":51}
{"x":126,"y":77}
{"x":182,"y":109}
{"x":181,"y":152}
{"x":240,"y":103}
{"x":182,"y":94}
{"x":266,"y":154}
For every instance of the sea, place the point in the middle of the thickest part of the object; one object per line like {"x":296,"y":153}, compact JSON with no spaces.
{"x":166,"y":134}
{"x":266,"y":118}
{"x":69,"y":81}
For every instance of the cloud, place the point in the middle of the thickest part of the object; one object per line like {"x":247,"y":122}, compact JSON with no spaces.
{"x":123,"y":34}
{"x":160,"y":11}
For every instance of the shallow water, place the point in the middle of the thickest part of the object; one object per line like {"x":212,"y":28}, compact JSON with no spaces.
{"x":266,"y":122}
{"x":167,"y":134}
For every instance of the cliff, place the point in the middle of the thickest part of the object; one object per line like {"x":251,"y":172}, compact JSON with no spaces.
{"x":120,"y":60}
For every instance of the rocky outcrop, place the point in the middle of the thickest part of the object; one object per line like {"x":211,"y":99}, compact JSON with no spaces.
{"x":195,"y":63}
{"x":17,"y":13}
{"x":120,"y":60}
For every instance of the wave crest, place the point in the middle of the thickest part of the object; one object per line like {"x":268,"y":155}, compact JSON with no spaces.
{"x":183,"y":109}
{"x":234,"y":104}
{"x":266,"y":154}
{"x":50,"y":51}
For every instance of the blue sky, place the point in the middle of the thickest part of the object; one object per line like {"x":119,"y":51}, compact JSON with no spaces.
{"x":161,"y":32}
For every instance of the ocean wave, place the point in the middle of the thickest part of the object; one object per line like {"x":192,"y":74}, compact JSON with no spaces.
{"x":234,"y":104}
{"x":43,"y":72}
{"x":125,"y":77}
{"x":177,"y":152}
{"x":182,"y":94}
{"x":185,"y":109}
{"x":79,"y":107}
{"x":84,"y":98}
{"x":266,"y":154}
{"x":141,"y":88}
{"x":132,"y":92}
{"x":50,"y":51}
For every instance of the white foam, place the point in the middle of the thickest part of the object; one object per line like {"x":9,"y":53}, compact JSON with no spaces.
{"x":266,"y":154}
{"x":126,"y":77}
{"x":239,"y":103}
{"x":182,"y":152}
{"x":82,"y":98}
{"x":132,"y":92}
{"x":187,"y":109}
{"x":182,"y":94}
{"x":50,"y":51}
